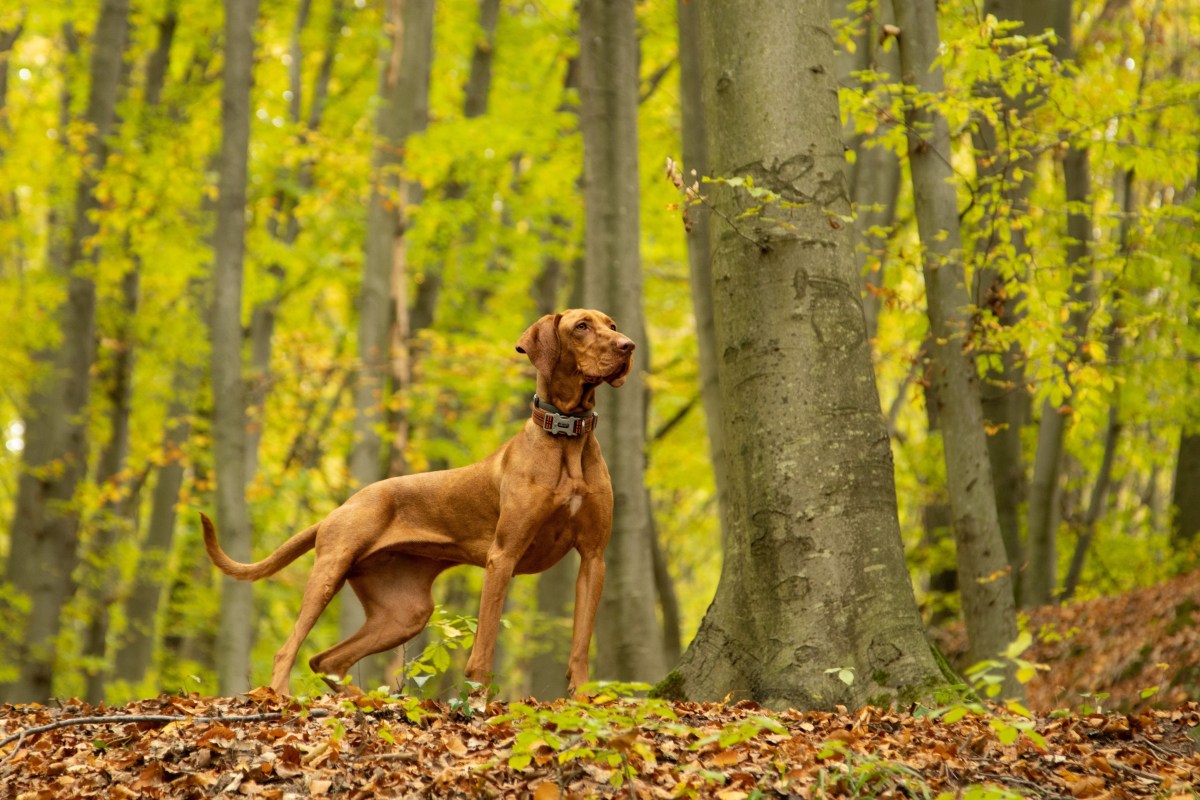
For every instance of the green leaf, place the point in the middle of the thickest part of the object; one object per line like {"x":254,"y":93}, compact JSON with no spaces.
{"x":955,"y":714}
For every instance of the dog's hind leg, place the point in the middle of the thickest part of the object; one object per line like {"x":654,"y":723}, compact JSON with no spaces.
{"x":396,"y":593}
{"x":324,"y":581}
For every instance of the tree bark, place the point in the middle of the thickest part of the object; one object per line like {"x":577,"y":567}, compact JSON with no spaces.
{"x":404,"y":92}
{"x":630,"y":645}
{"x":44,"y":531}
{"x":235,"y":633}
{"x":814,"y":579}
{"x":984,"y":577}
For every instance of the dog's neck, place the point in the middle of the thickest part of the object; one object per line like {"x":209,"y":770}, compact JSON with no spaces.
{"x":568,"y":394}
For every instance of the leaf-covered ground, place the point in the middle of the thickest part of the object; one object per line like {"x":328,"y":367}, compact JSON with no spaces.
{"x":256,"y":747}
{"x":1141,"y":648}
{"x":379,"y":752}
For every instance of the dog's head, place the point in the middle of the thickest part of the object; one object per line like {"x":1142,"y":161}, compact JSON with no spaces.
{"x":580,"y":346}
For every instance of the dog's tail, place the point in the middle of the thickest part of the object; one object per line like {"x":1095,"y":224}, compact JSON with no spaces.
{"x":287,"y":552}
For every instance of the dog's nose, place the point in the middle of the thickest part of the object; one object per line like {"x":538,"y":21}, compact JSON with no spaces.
{"x":625,"y":345}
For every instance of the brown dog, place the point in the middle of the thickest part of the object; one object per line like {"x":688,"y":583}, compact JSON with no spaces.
{"x":519,"y":510}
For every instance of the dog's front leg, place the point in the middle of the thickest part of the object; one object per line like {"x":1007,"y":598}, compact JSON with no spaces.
{"x":588,"y":587}
{"x":496,"y":576}
{"x":514,"y":531}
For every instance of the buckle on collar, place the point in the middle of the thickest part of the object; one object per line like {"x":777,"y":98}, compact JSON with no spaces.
{"x":556,"y":423}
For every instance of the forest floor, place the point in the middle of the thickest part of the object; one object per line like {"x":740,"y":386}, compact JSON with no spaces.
{"x":1115,"y":716}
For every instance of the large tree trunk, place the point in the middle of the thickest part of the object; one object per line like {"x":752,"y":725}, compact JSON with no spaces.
{"x":404,"y":92}
{"x":695,"y":161}
{"x":814,"y":577}
{"x":629,"y":641}
{"x":44,"y":532}
{"x":984,"y":577}
{"x":235,"y":635}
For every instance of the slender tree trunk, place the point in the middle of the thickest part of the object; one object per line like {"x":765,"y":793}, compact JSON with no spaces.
{"x":1039,"y":583}
{"x":44,"y":531}
{"x":10,"y":255}
{"x":984,"y":577}
{"x":235,"y":635}
{"x":284,"y":226}
{"x":874,"y":176}
{"x":630,"y":644}
{"x":116,"y":520}
{"x":135,"y":655}
{"x":814,"y":579}
{"x":1185,"y":495}
{"x":998,"y":288}
{"x":556,"y":586}
{"x":475,"y":104}
{"x":695,"y":161}
{"x":1098,"y":503}
{"x":118,"y":517}
{"x":404,"y":92}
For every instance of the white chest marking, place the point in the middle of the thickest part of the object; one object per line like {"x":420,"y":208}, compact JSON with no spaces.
{"x":573,"y":503}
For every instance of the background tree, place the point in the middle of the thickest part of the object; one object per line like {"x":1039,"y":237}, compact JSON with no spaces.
{"x":236,"y":629}
{"x":383,"y":329}
{"x":45,"y":523}
{"x":812,"y":516}
{"x":984,"y":578}
{"x":1185,"y":498}
{"x":627,"y":630}
{"x":694,"y":148}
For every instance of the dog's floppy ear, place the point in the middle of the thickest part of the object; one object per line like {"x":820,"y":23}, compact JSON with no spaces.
{"x":540,"y":343}
{"x":618,"y":378}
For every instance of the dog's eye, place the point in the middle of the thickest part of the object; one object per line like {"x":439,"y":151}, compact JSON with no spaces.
{"x":613,"y":327}
{"x":581,"y":326}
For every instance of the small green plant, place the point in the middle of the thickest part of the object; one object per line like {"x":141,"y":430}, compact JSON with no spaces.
{"x":857,"y":775}
{"x":1088,"y":698}
{"x":844,"y":674}
{"x":1009,"y":718}
{"x":606,"y":725}
{"x":463,"y":704}
{"x":602,"y":726}
{"x":453,"y":633}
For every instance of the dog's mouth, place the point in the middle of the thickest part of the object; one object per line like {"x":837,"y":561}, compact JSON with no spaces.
{"x":603,"y":372}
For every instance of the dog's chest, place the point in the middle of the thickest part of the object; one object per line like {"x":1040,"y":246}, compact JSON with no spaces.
{"x":556,"y":536}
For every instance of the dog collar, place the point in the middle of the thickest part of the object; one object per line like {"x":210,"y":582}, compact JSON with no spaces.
{"x":560,"y":423}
